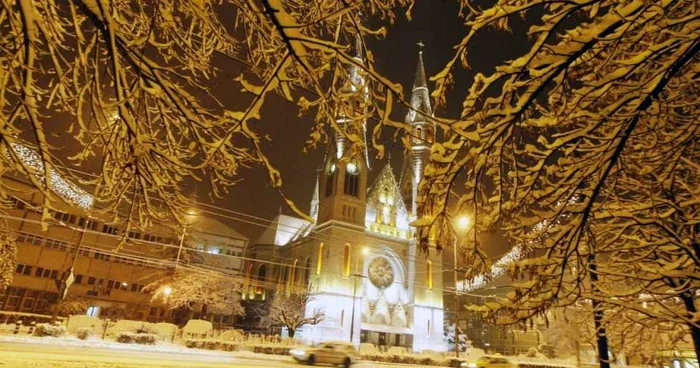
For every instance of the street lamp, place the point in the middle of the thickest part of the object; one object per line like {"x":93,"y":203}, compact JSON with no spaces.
{"x":167,"y":290}
{"x":462,"y":226}
{"x":365,"y":251}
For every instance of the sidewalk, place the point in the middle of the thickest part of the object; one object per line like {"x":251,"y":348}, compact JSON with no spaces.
{"x":160,"y":347}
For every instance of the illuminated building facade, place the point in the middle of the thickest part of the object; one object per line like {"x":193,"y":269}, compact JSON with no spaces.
{"x":112,"y":265}
{"x":359,"y":258}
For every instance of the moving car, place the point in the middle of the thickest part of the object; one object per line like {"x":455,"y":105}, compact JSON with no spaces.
{"x":490,"y":361}
{"x":336,"y":353}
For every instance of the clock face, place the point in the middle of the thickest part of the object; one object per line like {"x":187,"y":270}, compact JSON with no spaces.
{"x":381,"y":273}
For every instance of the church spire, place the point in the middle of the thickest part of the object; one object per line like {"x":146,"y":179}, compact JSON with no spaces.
{"x":420,"y":96}
{"x":422,"y":128}
{"x":315,"y":198}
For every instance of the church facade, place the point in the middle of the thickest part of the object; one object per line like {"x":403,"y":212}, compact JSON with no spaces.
{"x":359,"y":259}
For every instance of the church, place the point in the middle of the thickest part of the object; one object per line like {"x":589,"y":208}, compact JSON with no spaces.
{"x":359,"y":258}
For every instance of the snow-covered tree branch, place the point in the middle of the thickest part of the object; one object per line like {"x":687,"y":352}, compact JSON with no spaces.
{"x":134,"y":77}
{"x":585,"y":151}
{"x":289,"y":311}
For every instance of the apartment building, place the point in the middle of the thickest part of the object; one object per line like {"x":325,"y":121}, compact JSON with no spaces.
{"x":111,"y":266}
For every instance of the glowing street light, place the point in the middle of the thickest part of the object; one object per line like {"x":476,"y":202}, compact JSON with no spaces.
{"x":167,"y":290}
{"x":463,"y":222}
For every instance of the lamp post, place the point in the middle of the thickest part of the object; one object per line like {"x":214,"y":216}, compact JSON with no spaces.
{"x":166,"y":291}
{"x":463,"y":224}
{"x":365,"y":251}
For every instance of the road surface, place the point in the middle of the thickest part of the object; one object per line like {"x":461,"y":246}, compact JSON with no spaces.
{"x":37,"y":355}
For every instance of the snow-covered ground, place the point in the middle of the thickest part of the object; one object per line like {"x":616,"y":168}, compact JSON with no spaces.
{"x":48,"y":352}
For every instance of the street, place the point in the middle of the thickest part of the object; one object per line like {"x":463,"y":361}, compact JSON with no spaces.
{"x":18,"y":354}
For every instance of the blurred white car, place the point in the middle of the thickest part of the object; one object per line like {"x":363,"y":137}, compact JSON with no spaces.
{"x":490,"y":361}
{"x":337,"y":353}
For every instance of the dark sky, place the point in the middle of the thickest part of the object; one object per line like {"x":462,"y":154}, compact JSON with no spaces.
{"x":437,"y":24}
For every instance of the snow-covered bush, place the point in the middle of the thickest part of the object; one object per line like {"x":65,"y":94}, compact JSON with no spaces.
{"x":47,"y":329}
{"x":407,"y":359}
{"x":137,"y":338}
{"x":212,"y":344}
{"x":83,"y":333}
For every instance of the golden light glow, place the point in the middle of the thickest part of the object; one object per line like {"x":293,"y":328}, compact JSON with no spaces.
{"x":346,"y":260}
{"x":365,"y":251}
{"x":429,"y":275}
{"x":463,"y":222}
{"x":167,"y":291}
{"x":319,"y":263}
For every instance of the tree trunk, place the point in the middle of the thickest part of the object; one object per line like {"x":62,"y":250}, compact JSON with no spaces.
{"x":291,"y":332}
{"x":204,"y":312}
{"x":687,"y":298}
{"x":601,"y":337}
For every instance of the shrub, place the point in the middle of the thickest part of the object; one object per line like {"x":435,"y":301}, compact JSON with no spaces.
{"x":46,"y":329}
{"x":212,"y":344}
{"x":138,"y":338}
{"x":83,"y":333}
{"x":408,"y":359}
{"x":125,"y":337}
{"x":271,"y":349}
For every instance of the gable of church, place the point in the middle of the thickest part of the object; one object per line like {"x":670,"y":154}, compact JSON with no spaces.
{"x":386,"y":212}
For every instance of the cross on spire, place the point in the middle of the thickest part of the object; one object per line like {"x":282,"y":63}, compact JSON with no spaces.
{"x":420,"y":46}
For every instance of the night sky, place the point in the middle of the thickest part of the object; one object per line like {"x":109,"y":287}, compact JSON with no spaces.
{"x":434,"y":22}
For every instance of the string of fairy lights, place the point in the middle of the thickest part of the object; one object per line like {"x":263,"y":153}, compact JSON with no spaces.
{"x":57,"y":183}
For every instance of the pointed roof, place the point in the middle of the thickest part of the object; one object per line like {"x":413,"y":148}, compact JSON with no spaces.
{"x":386,"y":177}
{"x":315,"y":198}
{"x":358,"y":54}
{"x":420,"y":95}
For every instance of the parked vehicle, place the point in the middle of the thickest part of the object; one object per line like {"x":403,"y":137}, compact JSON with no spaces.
{"x":336,"y":353}
{"x":490,"y":361}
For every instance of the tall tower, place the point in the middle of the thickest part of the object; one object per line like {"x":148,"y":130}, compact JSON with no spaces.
{"x":422,"y":128}
{"x":343,"y":186}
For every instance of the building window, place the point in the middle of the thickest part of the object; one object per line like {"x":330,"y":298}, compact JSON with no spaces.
{"x":429,"y":275}
{"x":293,"y":275}
{"x":78,"y":279}
{"x":134,"y":235}
{"x":262,"y":275}
{"x":319,"y":264}
{"x":27,"y":270}
{"x":307,"y":270}
{"x":352,"y":179}
{"x":64,"y":217}
{"x":109,"y":229}
{"x":19,"y":268}
{"x":342,"y":318}
{"x":346,"y":260}
{"x":93,"y":311}
{"x":330,"y":180}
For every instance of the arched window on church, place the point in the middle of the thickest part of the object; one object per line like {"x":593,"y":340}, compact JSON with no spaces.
{"x":429,"y":275}
{"x":346,"y":260}
{"x":246,"y":281}
{"x":319,"y":263}
{"x":285,"y":279}
{"x":419,"y":133}
{"x":330,"y":179}
{"x":262,"y":274}
{"x":292,"y":276}
{"x":307,"y":270}
{"x":352,"y":178}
